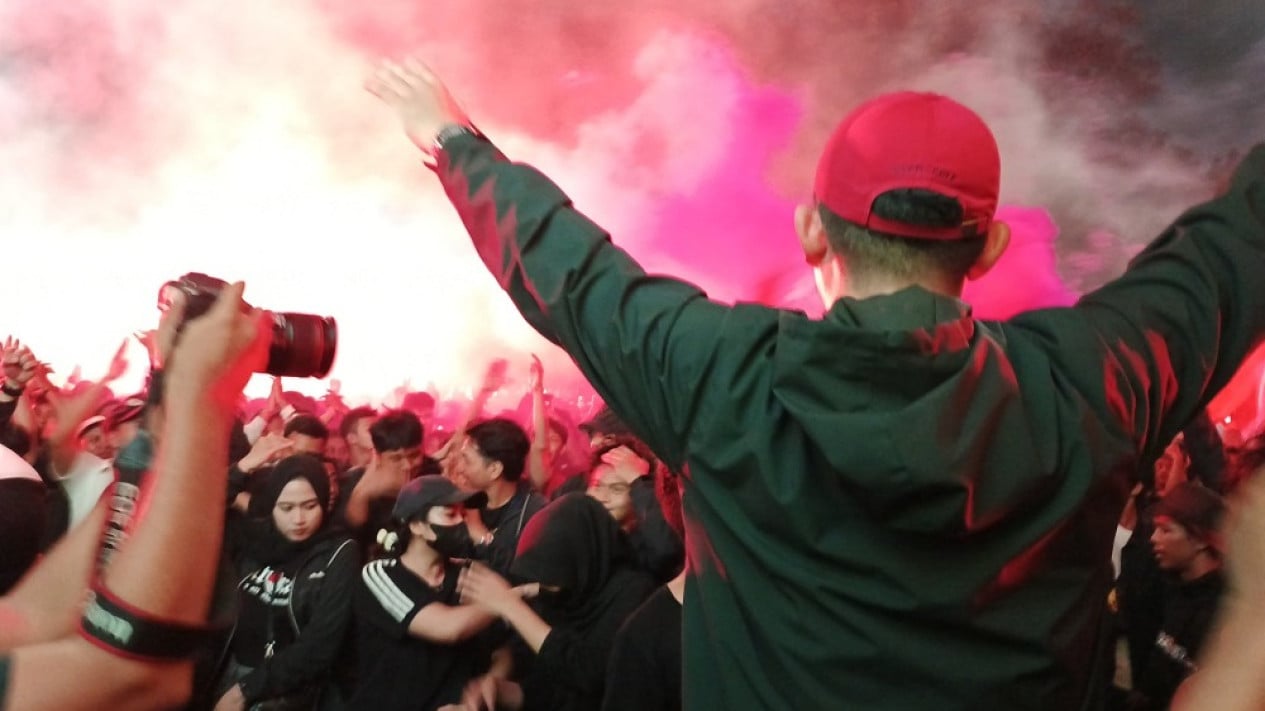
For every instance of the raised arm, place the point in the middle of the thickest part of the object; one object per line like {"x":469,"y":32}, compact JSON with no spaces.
{"x":166,"y":570}
{"x":538,"y":460}
{"x":1173,"y":329}
{"x":645,"y":343}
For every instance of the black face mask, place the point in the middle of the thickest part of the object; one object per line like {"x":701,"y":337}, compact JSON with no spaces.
{"x":452,"y":541}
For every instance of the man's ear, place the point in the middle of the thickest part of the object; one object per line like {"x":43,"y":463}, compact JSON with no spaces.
{"x":995,"y":244}
{"x":812,"y":235}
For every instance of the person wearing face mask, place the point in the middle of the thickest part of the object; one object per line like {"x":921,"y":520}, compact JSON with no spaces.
{"x":294,"y":599}
{"x":417,"y":645}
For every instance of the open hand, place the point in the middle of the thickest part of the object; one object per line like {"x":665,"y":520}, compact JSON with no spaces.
{"x":419,"y":98}
{"x":480,"y":585}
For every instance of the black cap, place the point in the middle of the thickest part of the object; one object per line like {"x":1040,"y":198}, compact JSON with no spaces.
{"x":432,"y":490}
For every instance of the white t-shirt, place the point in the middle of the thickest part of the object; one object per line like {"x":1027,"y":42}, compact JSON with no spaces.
{"x":87,"y":480}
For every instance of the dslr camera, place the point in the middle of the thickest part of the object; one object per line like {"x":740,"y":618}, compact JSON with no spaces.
{"x":303,"y":345}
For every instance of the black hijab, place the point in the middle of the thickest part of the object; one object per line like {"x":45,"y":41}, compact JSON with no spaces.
{"x":575,"y":544}
{"x":265,"y":544}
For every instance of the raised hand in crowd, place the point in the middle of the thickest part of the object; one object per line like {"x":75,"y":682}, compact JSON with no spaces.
{"x":421,"y":101}
{"x":19,"y":364}
{"x":267,"y":450}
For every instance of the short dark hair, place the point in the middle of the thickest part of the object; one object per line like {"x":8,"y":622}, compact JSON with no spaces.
{"x":868,"y":252}
{"x":354,"y":416}
{"x":502,"y":440}
{"x":397,"y":429}
{"x":308,"y":425}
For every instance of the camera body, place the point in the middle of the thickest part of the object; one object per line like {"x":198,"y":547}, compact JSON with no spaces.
{"x":302,"y":346}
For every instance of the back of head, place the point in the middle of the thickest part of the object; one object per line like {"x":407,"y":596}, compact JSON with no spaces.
{"x":573,"y":543}
{"x":502,"y":440}
{"x":352,"y":418}
{"x":909,"y":182}
{"x":397,"y":429}
{"x":307,"y":425}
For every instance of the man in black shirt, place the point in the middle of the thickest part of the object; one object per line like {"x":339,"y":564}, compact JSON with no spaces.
{"x":367,"y":495}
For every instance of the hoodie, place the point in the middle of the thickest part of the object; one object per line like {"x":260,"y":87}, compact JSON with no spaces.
{"x":896,"y":506}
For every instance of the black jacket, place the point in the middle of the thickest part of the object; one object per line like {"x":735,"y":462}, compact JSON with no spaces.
{"x":320,"y":612}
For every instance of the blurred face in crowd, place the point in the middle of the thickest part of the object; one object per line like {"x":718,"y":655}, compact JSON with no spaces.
{"x":336,"y":449}
{"x":123,"y":434}
{"x":1170,"y":468}
{"x":297,"y":513}
{"x":554,"y":442}
{"x":611,"y":491}
{"x":406,"y":462}
{"x":1175,"y":549}
{"x":305,"y":444}
{"x":95,"y":442}
{"x":359,"y":435}
{"x":478,"y":470}
{"x":597,"y":440}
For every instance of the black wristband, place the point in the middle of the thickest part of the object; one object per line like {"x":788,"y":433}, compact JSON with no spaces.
{"x":13,"y":391}
{"x":125,"y":631}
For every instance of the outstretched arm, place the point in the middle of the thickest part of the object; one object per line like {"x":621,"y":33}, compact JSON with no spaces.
{"x":167,"y":568}
{"x":647,"y":344}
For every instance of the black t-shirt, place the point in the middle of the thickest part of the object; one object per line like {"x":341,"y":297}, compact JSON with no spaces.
{"x":379,"y":511}
{"x":644,"y":673}
{"x":397,"y":671}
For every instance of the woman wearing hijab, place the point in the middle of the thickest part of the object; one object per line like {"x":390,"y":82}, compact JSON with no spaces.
{"x":588,"y":583}
{"x":294,"y":598}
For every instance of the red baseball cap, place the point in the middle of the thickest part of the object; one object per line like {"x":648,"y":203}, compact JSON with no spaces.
{"x":911,"y":140}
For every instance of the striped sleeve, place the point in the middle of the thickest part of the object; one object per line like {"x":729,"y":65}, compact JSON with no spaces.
{"x":384,"y":590}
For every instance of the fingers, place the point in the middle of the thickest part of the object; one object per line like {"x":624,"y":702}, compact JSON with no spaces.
{"x":229,"y":301}
{"x":390,"y":84}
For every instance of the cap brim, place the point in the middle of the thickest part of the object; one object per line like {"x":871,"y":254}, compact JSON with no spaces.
{"x":472,"y":499}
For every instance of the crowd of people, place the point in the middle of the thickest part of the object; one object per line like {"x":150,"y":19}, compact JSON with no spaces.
{"x":896,"y":506}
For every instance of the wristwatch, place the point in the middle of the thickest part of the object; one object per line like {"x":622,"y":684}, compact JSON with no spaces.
{"x":13,"y":391}
{"x":451,"y":131}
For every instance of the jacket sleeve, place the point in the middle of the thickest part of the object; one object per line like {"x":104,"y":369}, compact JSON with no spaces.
{"x":1156,"y":344}
{"x":309,"y":659}
{"x":645,"y":343}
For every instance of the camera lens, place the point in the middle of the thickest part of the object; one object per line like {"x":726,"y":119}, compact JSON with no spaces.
{"x":303,"y":345}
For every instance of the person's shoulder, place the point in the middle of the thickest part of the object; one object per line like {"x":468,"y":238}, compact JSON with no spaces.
{"x":658,"y":615}
{"x":350,"y":477}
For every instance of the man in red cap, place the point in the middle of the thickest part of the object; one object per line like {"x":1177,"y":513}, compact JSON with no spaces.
{"x":896,"y":506}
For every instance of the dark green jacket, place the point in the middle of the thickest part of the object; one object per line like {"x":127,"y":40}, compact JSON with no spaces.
{"x":896,"y":506}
